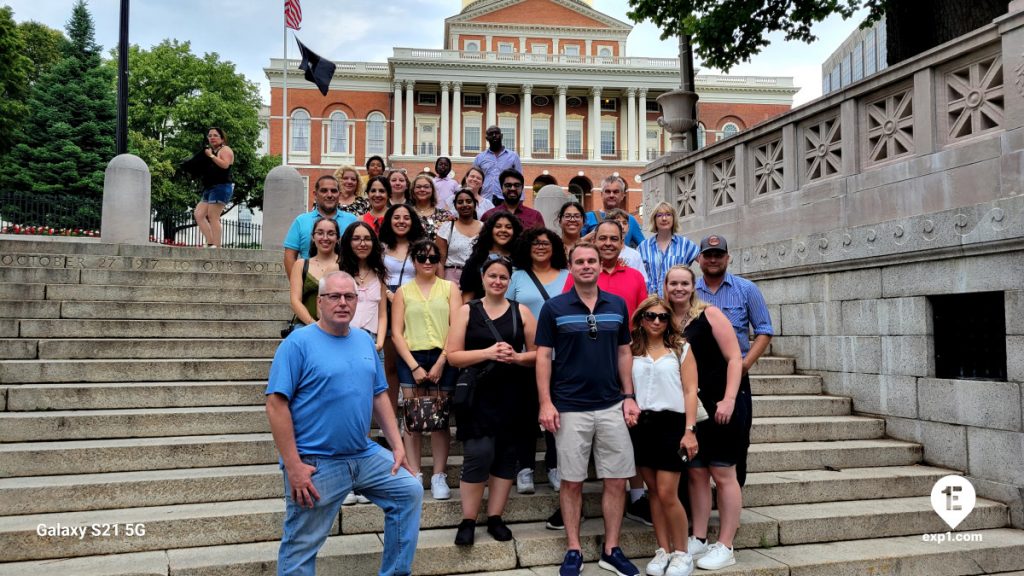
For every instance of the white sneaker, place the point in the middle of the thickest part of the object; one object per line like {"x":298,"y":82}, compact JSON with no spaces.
{"x":350,"y":499}
{"x":657,"y":565}
{"x":681,"y":564}
{"x":695,"y":548}
{"x":362,"y":499}
{"x":555,"y":479}
{"x":718,"y":556}
{"x":524,"y":481}
{"x":439,"y":487}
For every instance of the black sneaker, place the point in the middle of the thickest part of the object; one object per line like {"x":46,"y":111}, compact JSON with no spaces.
{"x":496,"y":528}
{"x":555,"y":521}
{"x":640,"y":510}
{"x":464,"y":536}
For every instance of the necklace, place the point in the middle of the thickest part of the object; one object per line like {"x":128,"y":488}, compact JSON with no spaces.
{"x":362,"y":276}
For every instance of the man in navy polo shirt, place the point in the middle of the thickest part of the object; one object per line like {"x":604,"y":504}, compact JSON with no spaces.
{"x":585,"y":385}
{"x":296,"y":242}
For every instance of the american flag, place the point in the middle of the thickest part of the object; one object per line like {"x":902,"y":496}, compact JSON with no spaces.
{"x":292,"y":14}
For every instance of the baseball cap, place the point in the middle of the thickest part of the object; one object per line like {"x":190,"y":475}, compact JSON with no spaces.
{"x":713,"y":242}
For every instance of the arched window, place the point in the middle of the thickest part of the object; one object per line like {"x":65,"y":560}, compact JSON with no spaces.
{"x":472,"y":46}
{"x":376,"y":140}
{"x":729,"y":129}
{"x":702,"y":136}
{"x":337,"y":137}
{"x":604,"y":52}
{"x":300,"y":131}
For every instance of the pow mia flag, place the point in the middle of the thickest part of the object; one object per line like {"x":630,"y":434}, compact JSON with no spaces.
{"x":318,"y":70}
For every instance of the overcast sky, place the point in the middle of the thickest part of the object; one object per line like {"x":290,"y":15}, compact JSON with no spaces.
{"x":249,"y":32}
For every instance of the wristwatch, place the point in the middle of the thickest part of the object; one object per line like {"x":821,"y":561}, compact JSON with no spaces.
{"x":692,"y":428}
{"x":630,"y":396}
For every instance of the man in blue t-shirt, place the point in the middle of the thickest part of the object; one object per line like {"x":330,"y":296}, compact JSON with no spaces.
{"x":325,"y":381}
{"x":586,"y":393}
{"x":613,"y":195}
{"x":296,"y":241}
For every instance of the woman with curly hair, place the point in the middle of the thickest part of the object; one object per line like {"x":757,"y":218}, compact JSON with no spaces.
{"x":497,"y":239}
{"x":350,"y":195}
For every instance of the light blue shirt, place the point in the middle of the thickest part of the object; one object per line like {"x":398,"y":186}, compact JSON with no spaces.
{"x":301,"y":230}
{"x":681,"y":250}
{"x":492,"y":165}
{"x":633,"y":238}
{"x":522,"y":289}
{"x":742,"y":303}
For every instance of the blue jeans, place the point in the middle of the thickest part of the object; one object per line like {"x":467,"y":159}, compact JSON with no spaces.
{"x":306,"y":529}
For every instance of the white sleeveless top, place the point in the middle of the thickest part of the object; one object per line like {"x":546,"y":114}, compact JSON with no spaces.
{"x":657,"y":383}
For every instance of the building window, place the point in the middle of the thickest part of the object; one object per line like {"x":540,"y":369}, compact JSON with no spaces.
{"x":609,"y":104}
{"x":376,"y":139}
{"x":337,"y":133}
{"x":882,"y":54}
{"x":541,"y":135}
{"x":508,"y":131}
{"x":869,"y":53}
{"x":834,"y":78}
{"x":472,"y":46}
{"x":858,"y":63}
{"x":729,"y":129}
{"x":845,"y":70}
{"x":608,"y":137}
{"x":970,"y":336}
{"x":427,"y":140}
{"x":825,"y":87}
{"x":300,"y":132}
{"x":472,"y":100}
{"x":471,"y":134}
{"x":574,"y":136}
{"x":539,"y":48}
{"x":604,"y":52}
{"x":652,"y":106}
{"x":506,"y":48}
{"x":571,"y":50}
{"x":653,"y":141}
{"x":426,"y":98}
{"x":702,"y":136}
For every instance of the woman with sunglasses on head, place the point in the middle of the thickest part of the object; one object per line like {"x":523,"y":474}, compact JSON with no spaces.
{"x":489,"y":427}
{"x":474,"y":181}
{"x":398,"y":231}
{"x":421,"y":313}
{"x":497,"y":239}
{"x":350,"y":196}
{"x":722,"y":437}
{"x":323,"y":259}
{"x":378,"y":191}
{"x":541,"y":272}
{"x":665,"y":383}
{"x":455,"y":238}
{"x":401,"y":190}
{"x":570,"y":220}
{"x":665,"y":248}
{"x":424,"y":198}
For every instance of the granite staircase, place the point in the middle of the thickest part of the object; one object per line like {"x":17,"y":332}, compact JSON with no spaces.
{"x":131,"y":404}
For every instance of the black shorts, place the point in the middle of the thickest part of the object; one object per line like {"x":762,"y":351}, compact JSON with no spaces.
{"x":488,"y":456}
{"x":656,"y":438}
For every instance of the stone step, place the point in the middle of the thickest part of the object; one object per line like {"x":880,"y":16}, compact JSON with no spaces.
{"x":22,"y":291}
{"x":839,"y":455}
{"x":53,"y":371}
{"x":172,"y":311}
{"x":165,"y":348}
{"x":204,"y":262}
{"x":29,"y":309}
{"x":773,"y":365}
{"x":68,"y":328}
{"x":105,"y":396}
{"x":23,"y":275}
{"x":179,"y":279}
{"x":17,"y":349}
{"x":800,"y":405}
{"x":810,"y":486}
{"x":159,"y":294}
{"x":784,"y":385}
{"x":815,"y":428}
{"x":77,"y":246}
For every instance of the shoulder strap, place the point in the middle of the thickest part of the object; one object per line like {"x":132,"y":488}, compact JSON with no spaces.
{"x":515,"y":319}
{"x":487,"y":319}
{"x":401,"y":275}
{"x":536,"y":282}
{"x":305,"y":269}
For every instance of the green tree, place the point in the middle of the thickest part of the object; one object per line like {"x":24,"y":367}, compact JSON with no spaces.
{"x":174,"y":97}
{"x":727,"y":32}
{"x":67,"y":137}
{"x":14,"y":78}
{"x":44,"y":47}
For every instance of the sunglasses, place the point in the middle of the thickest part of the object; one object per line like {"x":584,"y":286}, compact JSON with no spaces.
{"x":660,"y":316}
{"x":424,"y":258}
{"x":592,"y":326}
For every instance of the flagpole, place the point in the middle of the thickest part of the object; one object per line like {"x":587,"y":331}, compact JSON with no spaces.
{"x":284,"y":109}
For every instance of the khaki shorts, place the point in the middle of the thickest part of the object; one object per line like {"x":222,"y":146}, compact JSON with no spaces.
{"x":603,"y":430}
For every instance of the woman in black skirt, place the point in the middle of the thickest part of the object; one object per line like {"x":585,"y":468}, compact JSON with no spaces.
{"x":725,"y":394}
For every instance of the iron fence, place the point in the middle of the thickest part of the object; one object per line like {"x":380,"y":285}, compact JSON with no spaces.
{"x":26,"y":213}
{"x":181,"y":230}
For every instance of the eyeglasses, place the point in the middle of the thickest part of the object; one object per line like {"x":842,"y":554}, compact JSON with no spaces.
{"x":424,"y":258}
{"x":361,"y":240}
{"x":592,"y":325}
{"x":335,"y":297}
{"x":572,"y":217}
{"x":659,"y":316}
{"x":511,"y":185}
{"x":541,"y":244}
{"x":663,"y":215}
{"x":327,"y":233}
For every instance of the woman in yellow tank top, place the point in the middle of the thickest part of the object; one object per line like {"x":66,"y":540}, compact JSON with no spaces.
{"x":420,"y":315}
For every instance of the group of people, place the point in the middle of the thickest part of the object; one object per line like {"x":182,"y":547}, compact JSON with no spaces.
{"x":614,"y":350}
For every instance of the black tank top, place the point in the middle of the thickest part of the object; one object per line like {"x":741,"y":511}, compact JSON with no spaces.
{"x":214,"y":175}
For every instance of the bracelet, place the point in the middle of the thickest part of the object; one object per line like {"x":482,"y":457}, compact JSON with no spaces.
{"x":416,"y":368}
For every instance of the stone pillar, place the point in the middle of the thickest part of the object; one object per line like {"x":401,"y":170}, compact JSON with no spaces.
{"x":283,"y":199}
{"x":594,"y":141}
{"x":396,"y":123}
{"x":492,"y":104}
{"x":126,"y":201}
{"x":548,"y":201}
{"x":1011,"y":32}
{"x":641,"y":135}
{"x":410,"y":121}
{"x":457,"y":119}
{"x":444,"y":150}
{"x":586,"y":48}
{"x":560,"y":127}
{"x":526,"y":122}
{"x":631,"y":130}
{"x":554,"y":46}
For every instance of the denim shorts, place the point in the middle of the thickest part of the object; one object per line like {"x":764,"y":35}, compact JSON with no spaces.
{"x":426,"y":359}
{"x":219,"y":194}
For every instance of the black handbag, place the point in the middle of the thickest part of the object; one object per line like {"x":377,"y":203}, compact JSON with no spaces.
{"x":465,"y":386}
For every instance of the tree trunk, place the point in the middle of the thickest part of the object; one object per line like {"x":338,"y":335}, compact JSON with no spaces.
{"x":915,"y":26}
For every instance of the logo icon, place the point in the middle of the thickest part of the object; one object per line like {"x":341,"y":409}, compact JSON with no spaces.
{"x":953,"y":499}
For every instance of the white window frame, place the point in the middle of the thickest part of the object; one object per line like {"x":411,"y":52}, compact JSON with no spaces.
{"x":726,"y":132}
{"x":299,"y":130}
{"x":702,"y":135}
{"x":605,"y":51}
{"x":609,"y":104}
{"x":472,"y":124}
{"x":508,"y":122}
{"x":571,"y":50}
{"x":540,"y":124}
{"x":426,"y":98}
{"x":573,"y":124}
{"x":609,"y":127}
{"x":471,"y":46}
{"x":467,"y":104}
{"x":329,"y":129}
{"x":506,"y":47}
{"x":376,"y":146}
{"x":539,"y":49}
{"x":652,"y":146}
{"x":426,"y":147}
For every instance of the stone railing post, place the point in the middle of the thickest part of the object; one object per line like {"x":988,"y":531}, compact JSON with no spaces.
{"x":1011,"y":30}
{"x":126,"y":201}
{"x":548,"y":201}
{"x":283,"y":199}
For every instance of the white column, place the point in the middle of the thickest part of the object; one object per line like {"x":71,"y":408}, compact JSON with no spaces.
{"x":487,"y":42}
{"x":397,"y":120}
{"x":560,"y":127}
{"x":631,"y":130}
{"x":595,"y":123}
{"x":522,"y":45}
{"x":526,"y":122}
{"x":455,"y":43}
{"x":641,"y":113}
{"x":586,"y":47}
{"x":492,"y":104}
{"x":410,"y":143}
{"x":554,"y":45}
{"x":457,"y":119}
{"x":444,"y":119}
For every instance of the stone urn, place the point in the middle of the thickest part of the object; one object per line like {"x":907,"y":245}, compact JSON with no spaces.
{"x":678,"y":119}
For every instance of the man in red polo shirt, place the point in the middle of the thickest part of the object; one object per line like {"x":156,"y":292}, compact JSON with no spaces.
{"x":616,"y":277}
